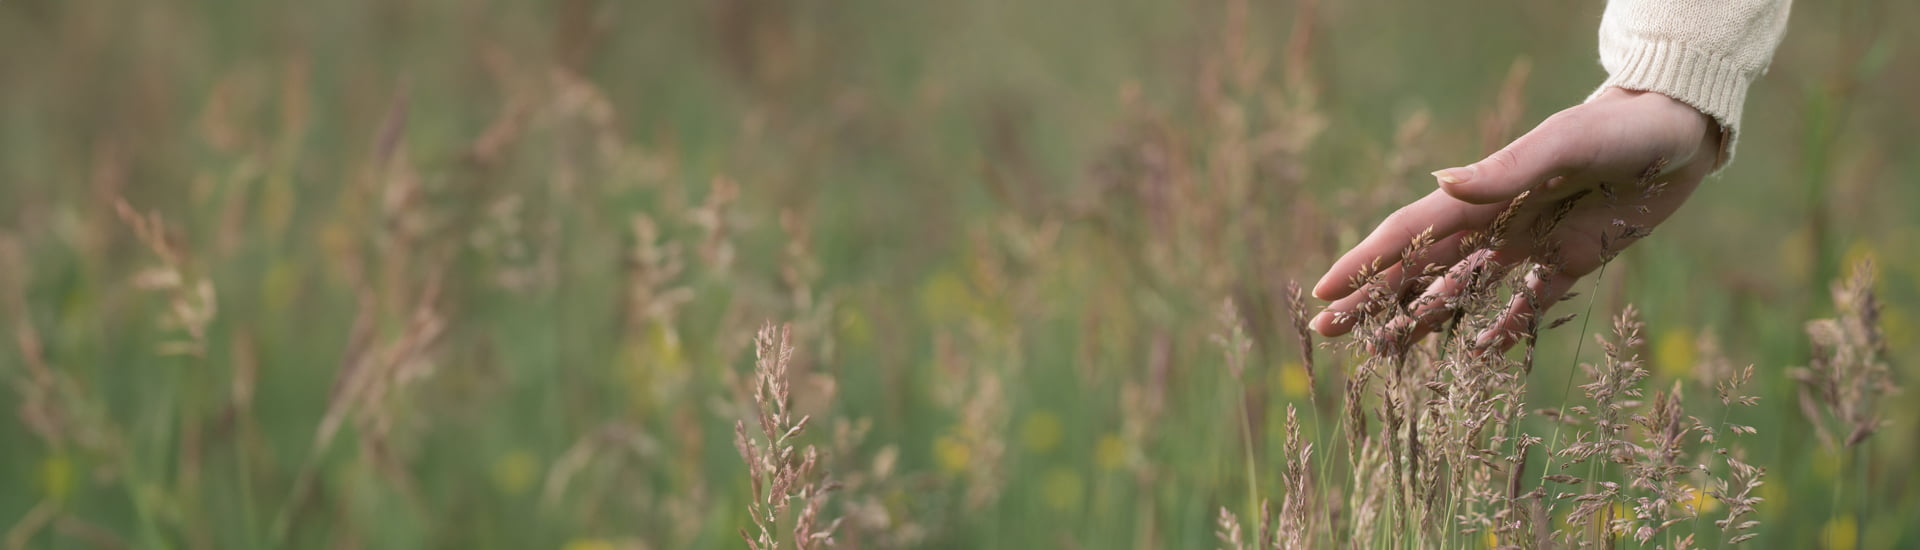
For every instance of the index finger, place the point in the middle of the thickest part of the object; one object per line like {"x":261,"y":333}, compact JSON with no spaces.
{"x":1437,"y":211}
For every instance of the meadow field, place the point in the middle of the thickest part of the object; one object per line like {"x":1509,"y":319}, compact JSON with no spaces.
{"x":599,"y":275}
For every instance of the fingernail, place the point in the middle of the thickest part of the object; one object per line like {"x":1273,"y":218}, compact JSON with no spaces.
{"x":1324,"y":322}
{"x":1451,"y":176}
{"x":1321,"y":296}
{"x":1320,"y":290}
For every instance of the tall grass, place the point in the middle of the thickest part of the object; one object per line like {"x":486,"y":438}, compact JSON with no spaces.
{"x":437,"y":274}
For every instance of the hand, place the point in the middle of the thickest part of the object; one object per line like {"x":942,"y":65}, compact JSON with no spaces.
{"x":1627,"y":156}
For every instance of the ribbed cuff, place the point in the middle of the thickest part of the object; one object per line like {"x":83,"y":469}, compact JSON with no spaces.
{"x":1708,"y":83}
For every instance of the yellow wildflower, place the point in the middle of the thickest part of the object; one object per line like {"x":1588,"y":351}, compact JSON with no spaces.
{"x":1701,"y":501}
{"x":1673,"y":353}
{"x":56,"y":477}
{"x":515,"y":472}
{"x":947,"y":298}
{"x":1293,"y":380}
{"x":1841,"y":533}
{"x":653,"y":368}
{"x":1110,"y":453}
{"x":665,"y":343}
{"x":854,"y":327}
{"x":1771,"y":493}
{"x":951,"y":452}
{"x":1595,"y":524}
{"x":589,"y":544}
{"x":1041,"y":431}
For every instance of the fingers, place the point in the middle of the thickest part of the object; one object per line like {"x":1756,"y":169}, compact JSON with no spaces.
{"x":1347,"y":311}
{"x":1550,"y":150}
{"x":1522,"y":315}
{"x":1439,"y":302}
{"x":1342,"y":314}
{"x":1383,"y":247}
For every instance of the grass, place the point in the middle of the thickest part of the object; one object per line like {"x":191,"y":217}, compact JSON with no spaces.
{"x":489,"y":275}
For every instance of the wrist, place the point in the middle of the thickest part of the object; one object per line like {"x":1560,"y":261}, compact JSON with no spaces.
{"x":1714,"y":138}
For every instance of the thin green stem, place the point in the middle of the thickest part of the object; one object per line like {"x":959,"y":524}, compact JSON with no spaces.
{"x":1566,"y":391}
{"x":1253,"y":479}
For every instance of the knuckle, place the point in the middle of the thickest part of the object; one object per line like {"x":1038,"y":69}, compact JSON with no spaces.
{"x":1571,"y":119}
{"x":1405,"y":223}
{"x":1506,"y":159}
{"x":1399,"y":219}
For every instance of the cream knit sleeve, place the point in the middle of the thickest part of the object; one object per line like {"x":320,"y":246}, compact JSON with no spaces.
{"x":1702,"y":52}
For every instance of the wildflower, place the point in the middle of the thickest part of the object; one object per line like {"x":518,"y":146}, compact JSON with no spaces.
{"x":1110,"y":453}
{"x":589,"y":544}
{"x":1293,"y":380}
{"x":854,"y":327}
{"x":56,"y":477}
{"x":951,"y":453}
{"x":1673,"y":353}
{"x":1041,"y":431}
{"x":947,"y":298}
{"x":514,"y":472}
{"x":1841,"y":533}
{"x":1701,"y":502}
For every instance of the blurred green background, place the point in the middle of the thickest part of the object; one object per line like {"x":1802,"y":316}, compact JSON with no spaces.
{"x":480,"y":274}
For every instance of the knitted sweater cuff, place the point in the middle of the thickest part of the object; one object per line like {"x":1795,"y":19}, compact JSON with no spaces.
{"x":1711,"y":84}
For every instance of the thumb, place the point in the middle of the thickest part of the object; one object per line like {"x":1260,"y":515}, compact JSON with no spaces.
{"x":1536,"y":157}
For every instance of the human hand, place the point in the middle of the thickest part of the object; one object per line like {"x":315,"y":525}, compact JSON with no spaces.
{"x":1609,"y":170}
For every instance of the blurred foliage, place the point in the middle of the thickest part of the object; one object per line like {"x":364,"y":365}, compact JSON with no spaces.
{"x":483,"y":274}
